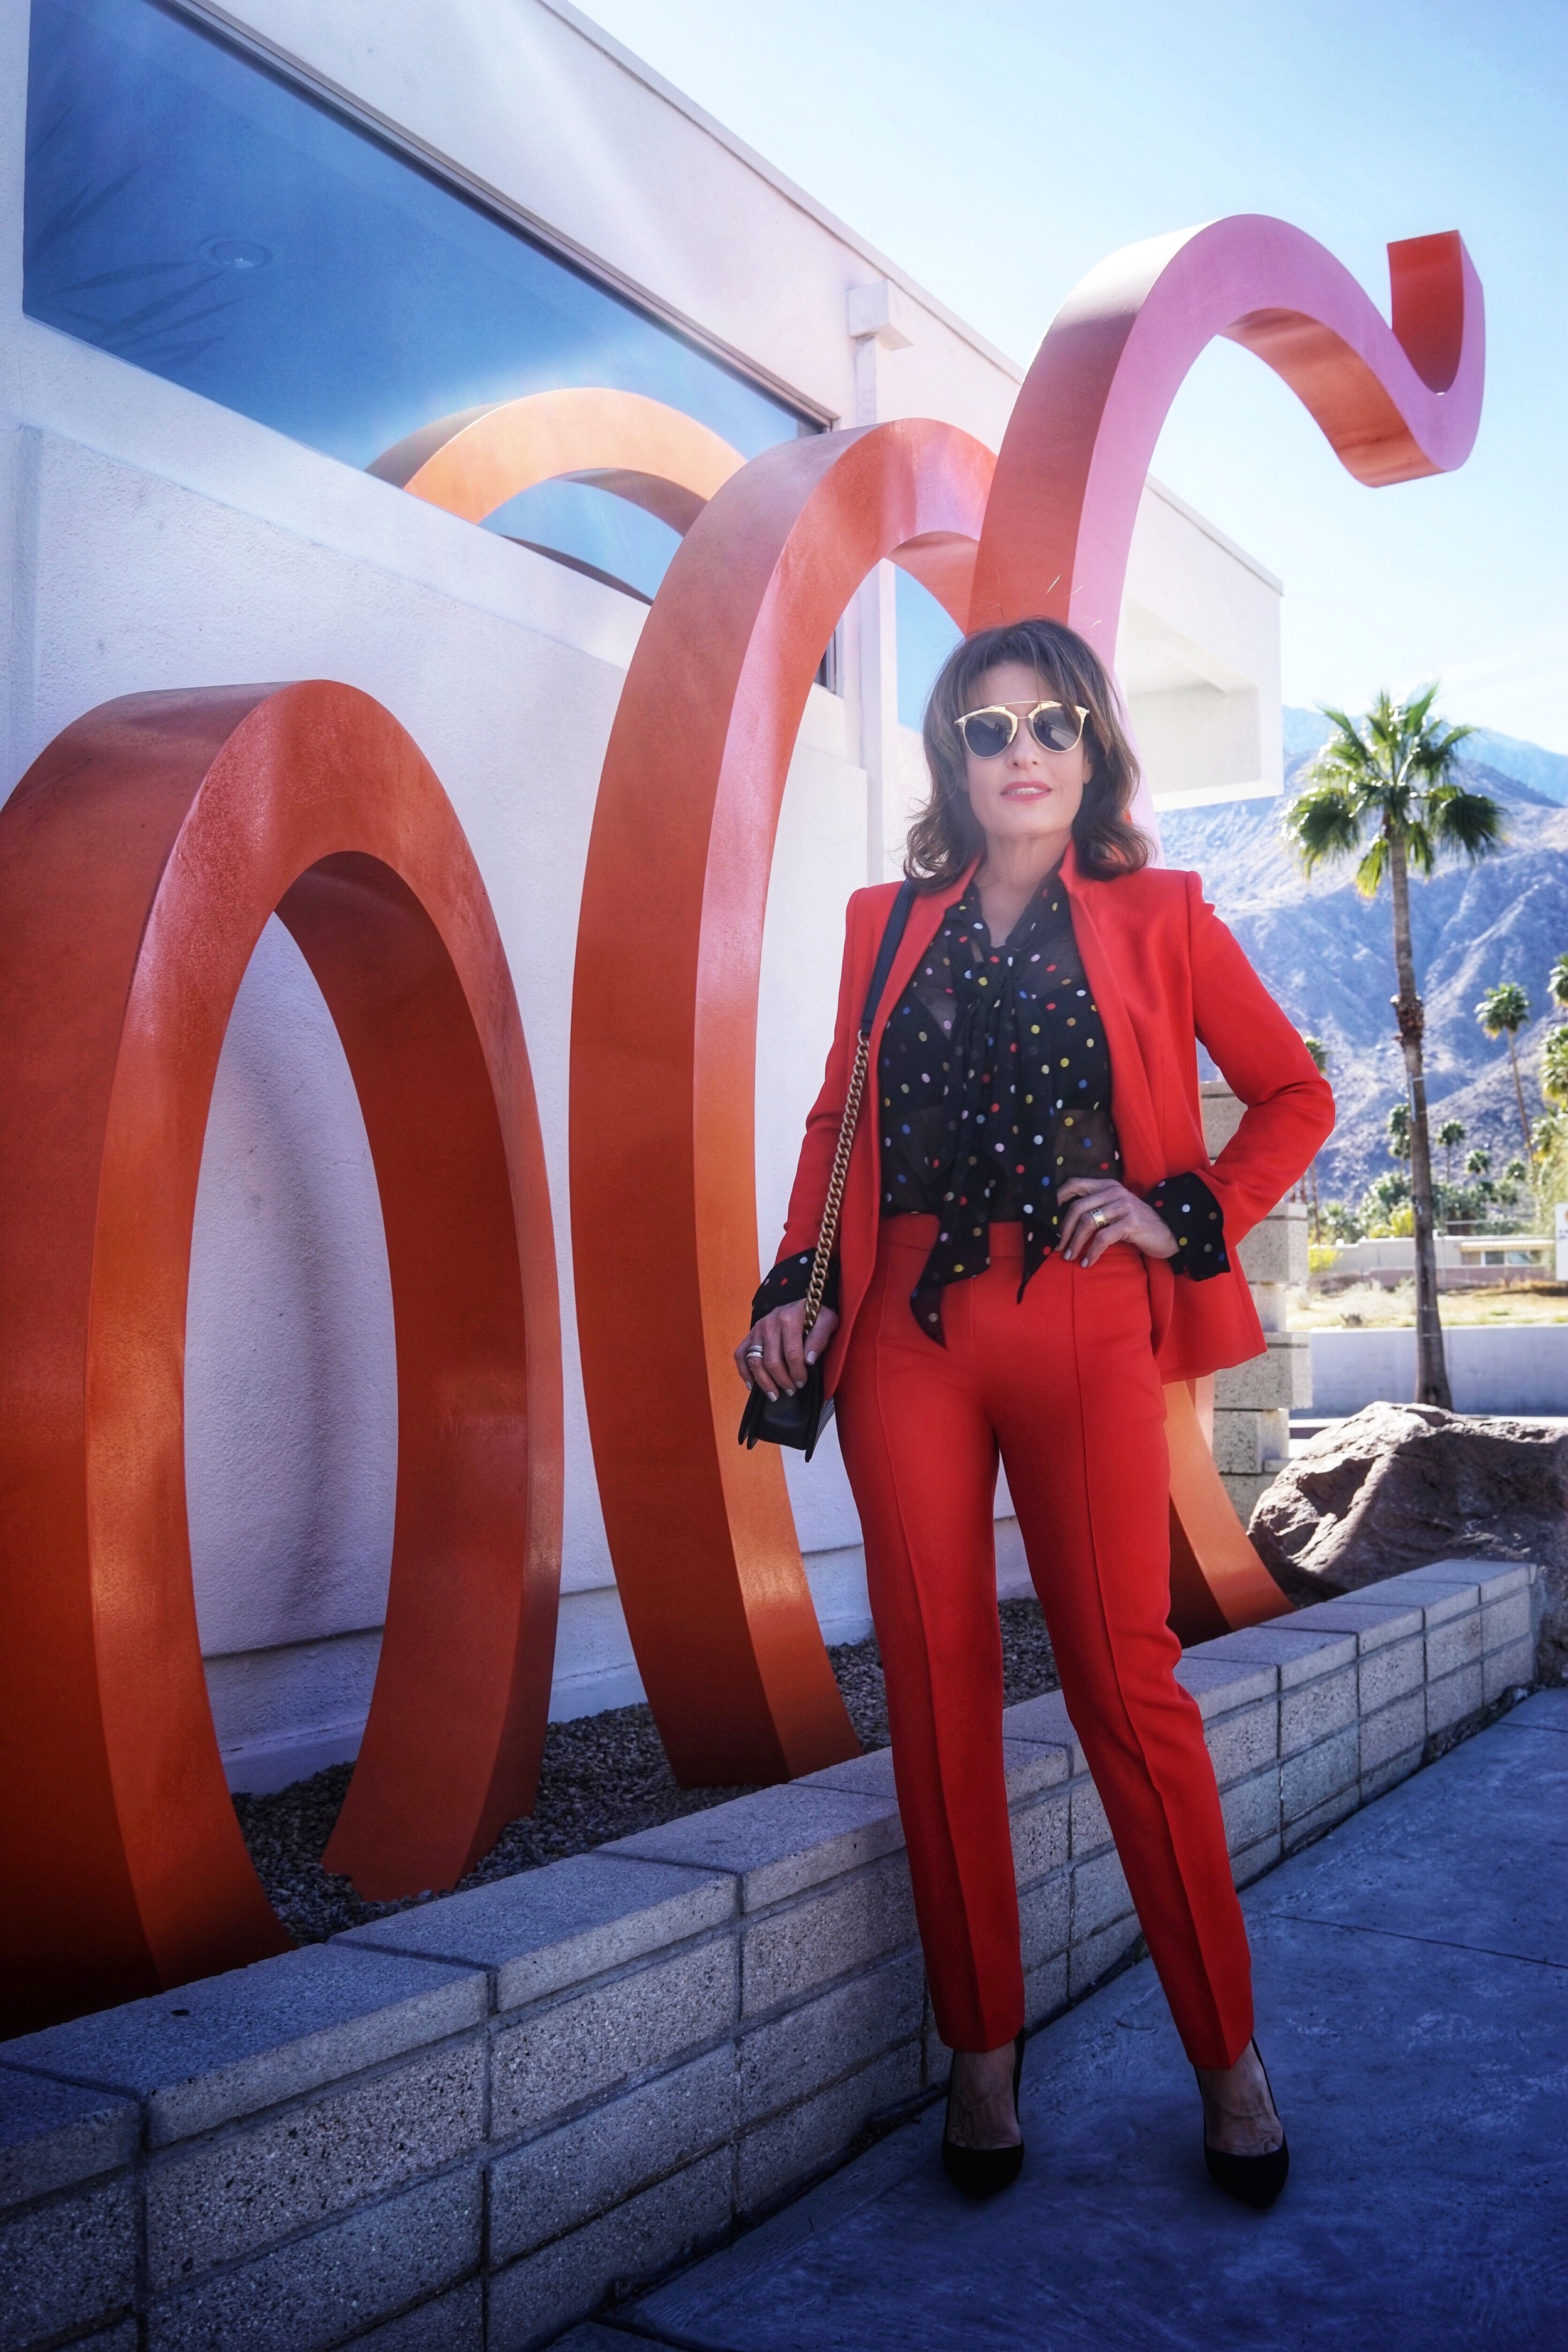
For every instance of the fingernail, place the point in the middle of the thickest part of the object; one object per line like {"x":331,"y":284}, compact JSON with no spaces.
{"x":810,"y":1357}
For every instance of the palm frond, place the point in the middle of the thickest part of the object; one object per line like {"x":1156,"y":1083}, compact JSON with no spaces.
{"x":1505,"y":1006}
{"x":1392,"y":726}
{"x":1466,"y":821}
{"x":1442,"y":749}
{"x":1402,"y":722}
{"x":1555,"y":1067}
{"x":1419,"y":849}
{"x":1348,"y":757}
{"x":1324,"y":822}
{"x":1369,"y":873}
{"x":1346,"y":731}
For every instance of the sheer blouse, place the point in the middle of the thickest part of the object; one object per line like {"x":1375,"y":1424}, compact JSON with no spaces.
{"x":993,"y":1090}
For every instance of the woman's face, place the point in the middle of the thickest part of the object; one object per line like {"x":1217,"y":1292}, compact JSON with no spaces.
{"x":1025,"y":793}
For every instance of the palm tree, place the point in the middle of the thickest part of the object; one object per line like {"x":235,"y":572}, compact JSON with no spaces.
{"x":1451,"y":1133}
{"x":1386,"y":790}
{"x":1555,"y":1067}
{"x":1399,"y":1131}
{"x":1502,"y":1013}
{"x":1550,"y":1135}
{"x":1389,"y":1193}
{"x":1478,"y":1162}
{"x":1557,"y":983}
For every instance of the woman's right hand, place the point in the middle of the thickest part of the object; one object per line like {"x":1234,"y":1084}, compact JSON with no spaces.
{"x":784,"y":1350}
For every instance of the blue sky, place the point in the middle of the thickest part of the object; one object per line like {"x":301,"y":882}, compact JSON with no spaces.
{"x":997,"y":149}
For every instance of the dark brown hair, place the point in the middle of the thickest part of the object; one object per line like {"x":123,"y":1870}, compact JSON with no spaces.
{"x":944,"y":838}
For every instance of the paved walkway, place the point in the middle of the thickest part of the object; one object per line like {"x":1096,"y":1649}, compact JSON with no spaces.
{"x":1413,"y":1997}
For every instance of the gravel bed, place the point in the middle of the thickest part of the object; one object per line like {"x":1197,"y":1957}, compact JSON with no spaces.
{"x":602,"y":1777}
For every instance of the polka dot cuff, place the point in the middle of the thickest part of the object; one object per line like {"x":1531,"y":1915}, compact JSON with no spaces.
{"x":790,"y":1280}
{"x":1191,"y":1212}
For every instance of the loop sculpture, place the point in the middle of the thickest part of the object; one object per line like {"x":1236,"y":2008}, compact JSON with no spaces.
{"x":638,"y":449}
{"x":663,"y":1075}
{"x":663,"y":1190}
{"x":1393,"y":402}
{"x":140,"y":858}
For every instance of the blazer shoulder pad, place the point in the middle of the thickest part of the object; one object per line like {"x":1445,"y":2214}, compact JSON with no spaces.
{"x":1153,"y":890}
{"x":872,"y":903}
{"x":1170,"y":882}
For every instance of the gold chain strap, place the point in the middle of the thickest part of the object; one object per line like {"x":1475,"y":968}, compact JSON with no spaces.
{"x":830,"y":1214}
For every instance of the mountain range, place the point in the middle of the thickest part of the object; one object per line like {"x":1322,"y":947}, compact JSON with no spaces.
{"x":1327,"y":953}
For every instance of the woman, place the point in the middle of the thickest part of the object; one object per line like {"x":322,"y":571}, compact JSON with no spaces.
{"x":1033,"y":1241}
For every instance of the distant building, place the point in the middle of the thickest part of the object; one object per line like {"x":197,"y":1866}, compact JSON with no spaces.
{"x":264,"y":246}
{"x":1481,"y":1262}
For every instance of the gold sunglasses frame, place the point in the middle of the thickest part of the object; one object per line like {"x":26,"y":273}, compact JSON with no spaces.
{"x":1001,"y":711}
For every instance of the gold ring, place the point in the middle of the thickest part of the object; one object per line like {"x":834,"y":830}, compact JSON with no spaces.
{"x":1097,"y":1217}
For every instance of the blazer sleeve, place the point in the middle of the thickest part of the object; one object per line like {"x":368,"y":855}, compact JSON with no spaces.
{"x":1289,"y":1112}
{"x":809,"y":1196}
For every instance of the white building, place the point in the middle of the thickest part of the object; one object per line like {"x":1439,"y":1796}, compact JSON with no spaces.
{"x":261,"y":249}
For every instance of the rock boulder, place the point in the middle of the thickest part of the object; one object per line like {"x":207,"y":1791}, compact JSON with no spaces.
{"x":1398,"y":1485}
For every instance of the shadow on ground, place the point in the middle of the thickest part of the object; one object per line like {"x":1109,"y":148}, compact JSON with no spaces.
{"x":1412,"y":1975}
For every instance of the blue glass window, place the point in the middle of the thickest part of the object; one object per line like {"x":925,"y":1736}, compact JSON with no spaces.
{"x":194,"y":210}
{"x":926,"y":637}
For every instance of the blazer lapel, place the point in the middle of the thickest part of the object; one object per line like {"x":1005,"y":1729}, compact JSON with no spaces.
{"x":1131,"y":1101}
{"x":925,"y":918}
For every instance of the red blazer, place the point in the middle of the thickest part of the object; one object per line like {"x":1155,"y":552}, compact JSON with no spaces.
{"x":1163,"y":971}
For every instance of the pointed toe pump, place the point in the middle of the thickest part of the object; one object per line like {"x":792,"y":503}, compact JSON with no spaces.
{"x":1252,"y":2180}
{"x":981,"y":2172}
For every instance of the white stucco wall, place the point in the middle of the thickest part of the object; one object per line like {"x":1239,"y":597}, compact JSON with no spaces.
{"x":159,"y":540}
{"x":1506,"y":1369}
{"x":1199,"y":659}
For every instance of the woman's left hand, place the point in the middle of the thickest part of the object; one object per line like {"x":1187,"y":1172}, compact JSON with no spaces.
{"x":1104,"y":1212}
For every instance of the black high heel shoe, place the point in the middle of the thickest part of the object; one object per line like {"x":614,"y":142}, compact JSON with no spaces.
{"x":1254,"y":2180}
{"x":981,"y":2172}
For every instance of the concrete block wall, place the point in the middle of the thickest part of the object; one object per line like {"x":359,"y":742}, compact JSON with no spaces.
{"x":1520,"y":1369}
{"x":459,"y":2129}
{"x":1253,"y":1402}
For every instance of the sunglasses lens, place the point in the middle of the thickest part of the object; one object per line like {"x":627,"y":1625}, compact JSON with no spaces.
{"x":1056,"y":729}
{"x":986,"y":734}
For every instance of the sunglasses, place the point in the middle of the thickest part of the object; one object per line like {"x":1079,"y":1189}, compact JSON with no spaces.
{"x":1055,"y":726}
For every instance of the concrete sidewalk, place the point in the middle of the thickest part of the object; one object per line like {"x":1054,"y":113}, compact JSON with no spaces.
{"x":1412,"y":2002}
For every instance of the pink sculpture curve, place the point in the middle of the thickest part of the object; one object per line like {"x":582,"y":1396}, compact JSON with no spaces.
{"x":1394,"y":401}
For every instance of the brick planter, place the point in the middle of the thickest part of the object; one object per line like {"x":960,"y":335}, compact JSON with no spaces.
{"x":462,"y":2126}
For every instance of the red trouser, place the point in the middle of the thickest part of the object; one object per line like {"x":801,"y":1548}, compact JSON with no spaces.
{"x":1064,"y":1385}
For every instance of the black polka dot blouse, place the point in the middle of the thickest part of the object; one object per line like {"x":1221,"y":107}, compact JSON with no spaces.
{"x":993,"y":1088}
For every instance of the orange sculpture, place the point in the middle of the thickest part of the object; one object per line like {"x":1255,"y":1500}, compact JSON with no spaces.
{"x":663,"y":1190}
{"x":1218,"y":1584}
{"x":1393,"y":402}
{"x":140,"y":858}
{"x":663,"y":1154}
{"x":640,"y":450}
